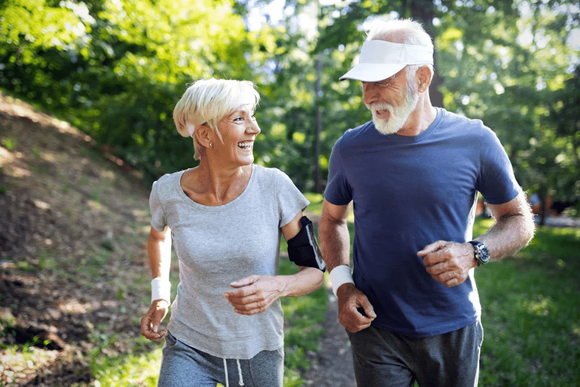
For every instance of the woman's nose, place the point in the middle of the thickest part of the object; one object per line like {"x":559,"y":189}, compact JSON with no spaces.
{"x":254,"y":128}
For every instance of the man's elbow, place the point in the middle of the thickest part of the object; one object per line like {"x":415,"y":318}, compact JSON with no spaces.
{"x":526,"y":229}
{"x":529,"y":229}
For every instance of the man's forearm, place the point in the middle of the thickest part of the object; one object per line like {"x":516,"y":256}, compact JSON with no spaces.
{"x":509,"y":234}
{"x":334,"y":242}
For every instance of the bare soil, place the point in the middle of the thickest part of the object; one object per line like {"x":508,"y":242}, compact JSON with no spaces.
{"x":73,"y":266}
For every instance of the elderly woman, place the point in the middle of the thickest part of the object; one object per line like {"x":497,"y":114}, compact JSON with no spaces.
{"x":225,"y":216}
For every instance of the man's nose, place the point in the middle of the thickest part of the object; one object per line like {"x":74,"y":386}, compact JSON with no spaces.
{"x":370,"y":90}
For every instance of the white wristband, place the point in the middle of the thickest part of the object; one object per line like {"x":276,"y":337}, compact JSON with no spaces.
{"x":160,"y":289}
{"x":340,"y":275}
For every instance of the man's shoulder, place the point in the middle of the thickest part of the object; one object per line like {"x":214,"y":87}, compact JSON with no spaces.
{"x":357,"y":133}
{"x":451,"y":118}
{"x":457,"y":125}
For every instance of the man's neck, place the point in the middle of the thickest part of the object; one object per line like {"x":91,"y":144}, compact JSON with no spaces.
{"x":420,"y":119}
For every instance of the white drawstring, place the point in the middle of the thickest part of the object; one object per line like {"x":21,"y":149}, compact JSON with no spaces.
{"x":240,"y":373}
{"x":241,"y":378}
{"x":226,"y":368}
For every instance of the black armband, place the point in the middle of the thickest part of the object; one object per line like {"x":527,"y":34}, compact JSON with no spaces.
{"x":303,"y":249}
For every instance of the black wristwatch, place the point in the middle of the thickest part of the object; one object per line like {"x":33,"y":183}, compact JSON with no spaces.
{"x":481,"y":252}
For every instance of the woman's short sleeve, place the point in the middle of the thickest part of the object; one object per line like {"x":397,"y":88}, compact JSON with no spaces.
{"x":158,"y":221}
{"x":290,"y":199}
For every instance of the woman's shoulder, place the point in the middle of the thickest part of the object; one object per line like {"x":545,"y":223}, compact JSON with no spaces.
{"x":167,"y":180}
{"x":270,"y":173}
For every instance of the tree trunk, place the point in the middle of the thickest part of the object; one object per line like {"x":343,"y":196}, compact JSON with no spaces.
{"x":317,"y":173}
{"x":543,"y":208}
{"x":423,"y":11}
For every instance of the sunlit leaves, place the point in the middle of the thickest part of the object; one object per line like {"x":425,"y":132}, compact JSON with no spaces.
{"x":31,"y":25}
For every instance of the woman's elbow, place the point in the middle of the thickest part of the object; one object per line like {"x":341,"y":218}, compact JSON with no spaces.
{"x":315,"y":277}
{"x":318,"y":280}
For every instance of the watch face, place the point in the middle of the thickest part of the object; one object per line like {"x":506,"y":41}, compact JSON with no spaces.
{"x":483,"y":253}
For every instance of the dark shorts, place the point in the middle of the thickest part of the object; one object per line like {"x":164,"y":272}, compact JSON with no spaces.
{"x":384,"y":358}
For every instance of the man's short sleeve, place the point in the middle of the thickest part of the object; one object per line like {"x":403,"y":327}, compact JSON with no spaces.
{"x":158,"y":221}
{"x":338,"y":190}
{"x":497,"y":182}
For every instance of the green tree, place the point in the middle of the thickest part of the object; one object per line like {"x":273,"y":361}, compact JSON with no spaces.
{"x":116,"y":68}
{"x":505,"y":66}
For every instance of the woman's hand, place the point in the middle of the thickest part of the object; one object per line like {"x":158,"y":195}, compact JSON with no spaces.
{"x":255,"y":294}
{"x":151,"y":322}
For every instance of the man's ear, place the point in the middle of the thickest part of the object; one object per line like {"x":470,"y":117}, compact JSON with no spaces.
{"x":424,"y":76}
{"x":204,"y":135}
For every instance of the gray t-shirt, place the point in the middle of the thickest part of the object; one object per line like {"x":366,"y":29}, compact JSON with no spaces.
{"x":219,"y":245}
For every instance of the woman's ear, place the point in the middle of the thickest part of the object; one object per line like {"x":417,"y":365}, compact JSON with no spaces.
{"x":424,"y":76}
{"x":204,"y":135}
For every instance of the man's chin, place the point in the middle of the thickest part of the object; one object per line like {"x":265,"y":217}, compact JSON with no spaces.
{"x":383,"y":127}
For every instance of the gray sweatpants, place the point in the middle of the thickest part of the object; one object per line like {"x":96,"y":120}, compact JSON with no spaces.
{"x":383,"y":358}
{"x":185,"y":366}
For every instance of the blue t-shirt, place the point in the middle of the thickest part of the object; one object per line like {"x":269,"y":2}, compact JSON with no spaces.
{"x":408,"y":192}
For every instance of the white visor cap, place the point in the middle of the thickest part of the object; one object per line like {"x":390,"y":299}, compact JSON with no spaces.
{"x":381,"y":60}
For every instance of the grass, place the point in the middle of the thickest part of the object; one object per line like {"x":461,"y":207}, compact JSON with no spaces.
{"x":531,"y":313}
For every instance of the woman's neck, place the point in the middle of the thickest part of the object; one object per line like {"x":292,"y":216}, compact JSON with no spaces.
{"x":215,"y":186}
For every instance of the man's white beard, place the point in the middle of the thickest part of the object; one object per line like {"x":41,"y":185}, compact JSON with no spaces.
{"x":397,"y":115}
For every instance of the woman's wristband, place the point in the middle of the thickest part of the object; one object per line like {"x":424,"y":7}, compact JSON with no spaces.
{"x":160,"y":289}
{"x":340,"y":275}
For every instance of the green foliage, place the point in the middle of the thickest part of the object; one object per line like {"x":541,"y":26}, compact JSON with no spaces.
{"x":116,"y":69}
{"x":510,"y":67}
{"x":9,"y":143}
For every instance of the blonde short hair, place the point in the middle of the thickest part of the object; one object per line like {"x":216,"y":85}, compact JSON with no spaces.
{"x":207,"y":102}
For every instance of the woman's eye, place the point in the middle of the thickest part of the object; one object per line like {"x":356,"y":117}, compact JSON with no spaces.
{"x":237,"y":119}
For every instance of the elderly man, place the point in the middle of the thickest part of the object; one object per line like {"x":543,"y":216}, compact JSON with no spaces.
{"x":413,"y":175}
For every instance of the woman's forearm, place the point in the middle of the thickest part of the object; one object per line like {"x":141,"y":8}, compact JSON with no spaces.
{"x":307,"y":280}
{"x":159,"y":252}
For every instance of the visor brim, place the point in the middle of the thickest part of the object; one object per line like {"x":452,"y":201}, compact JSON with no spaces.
{"x":372,"y":72}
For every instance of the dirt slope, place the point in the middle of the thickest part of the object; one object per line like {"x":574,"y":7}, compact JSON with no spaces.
{"x":73,"y":222}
